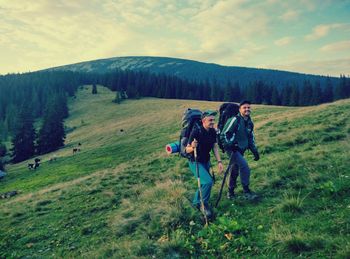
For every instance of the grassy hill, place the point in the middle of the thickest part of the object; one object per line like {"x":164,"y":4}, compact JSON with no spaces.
{"x":122,"y":196}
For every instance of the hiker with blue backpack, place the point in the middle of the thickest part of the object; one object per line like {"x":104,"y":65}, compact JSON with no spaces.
{"x":236,"y":137}
{"x":201,"y":141}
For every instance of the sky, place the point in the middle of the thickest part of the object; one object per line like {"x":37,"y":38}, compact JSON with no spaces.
{"x":307,"y":36}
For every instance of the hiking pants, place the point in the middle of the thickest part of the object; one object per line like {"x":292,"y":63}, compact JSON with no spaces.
{"x":240,"y":166}
{"x":206,"y":182}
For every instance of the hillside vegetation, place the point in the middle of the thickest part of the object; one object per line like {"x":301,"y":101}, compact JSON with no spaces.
{"x":122,"y":196}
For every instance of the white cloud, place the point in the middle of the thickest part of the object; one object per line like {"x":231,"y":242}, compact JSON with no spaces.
{"x":337,"y":46}
{"x":289,"y":15}
{"x":322,"y":30}
{"x":331,"y":67}
{"x":283,"y":41}
{"x":47,"y":33}
{"x":227,"y":30}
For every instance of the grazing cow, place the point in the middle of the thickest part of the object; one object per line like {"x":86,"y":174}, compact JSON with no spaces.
{"x":35,"y":165}
{"x":75,"y":150}
{"x":8,"y":194}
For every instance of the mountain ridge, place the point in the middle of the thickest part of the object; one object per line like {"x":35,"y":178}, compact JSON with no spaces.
{"x":196,"y":70}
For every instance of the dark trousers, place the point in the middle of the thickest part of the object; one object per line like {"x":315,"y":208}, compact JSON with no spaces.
{"x":238,"y":166}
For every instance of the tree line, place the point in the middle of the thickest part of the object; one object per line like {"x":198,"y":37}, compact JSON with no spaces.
{"x":33,"y":106}
{"x":141,"y":84}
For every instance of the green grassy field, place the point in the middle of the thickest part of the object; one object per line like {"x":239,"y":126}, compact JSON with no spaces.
{"x":123,"y":196}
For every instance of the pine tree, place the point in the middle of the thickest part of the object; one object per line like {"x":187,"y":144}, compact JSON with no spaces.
{"x":316,"y":94}
{"x":3,"y":130}
{"x":51,"y":134}
{"x":306,"y":94}
{"x":275,"y":97}
{"x":236,"y":92}
{"x":2,"y":167}
{"x":294,"y":96}
{"x":228,"y":92}
{"x":259,"y":91}
{"x":215,"y":91}
{"x":342,"y":90}
{"x":94,"y":89}
{"x":328,"y":92}
{"x":24,"y":136}
{"x":286,"y":96}
{"x":3,"y":150}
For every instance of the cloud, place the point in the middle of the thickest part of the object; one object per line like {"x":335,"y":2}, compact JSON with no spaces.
{"x":48,"y":33}
{"x":337,"y":46}
{"x":322,"y":30}
{"x":55,"y":32}
{"x":331,"y":67}
{"x":289,"y":15}
{"x":283,"y":41}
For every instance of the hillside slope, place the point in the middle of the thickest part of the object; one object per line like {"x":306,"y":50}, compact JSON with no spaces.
{"x":194,"y":70}
{"x":122,"y":196}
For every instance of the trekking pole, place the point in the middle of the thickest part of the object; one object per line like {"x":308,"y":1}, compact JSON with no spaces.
{"x":222,"y":186}
{"x":223,"y":182}
{"x":199,"y":187}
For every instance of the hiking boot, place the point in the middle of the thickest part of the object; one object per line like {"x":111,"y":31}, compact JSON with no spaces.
{"x":207,"y":211}
{"x":248,"y":194}
{"x":230,"y":194}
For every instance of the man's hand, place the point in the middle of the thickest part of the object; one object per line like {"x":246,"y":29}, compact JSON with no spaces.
{"x":194,"y":143}
{"x":220,"y":167}
{"x":256,"y":156}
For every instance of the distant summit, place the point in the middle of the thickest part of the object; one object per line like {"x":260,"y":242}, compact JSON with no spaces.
{"x":199,"y":71}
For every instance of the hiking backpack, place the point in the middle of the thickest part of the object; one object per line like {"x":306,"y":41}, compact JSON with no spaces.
{"x":227,"y":110}
{"x":191,"y":119}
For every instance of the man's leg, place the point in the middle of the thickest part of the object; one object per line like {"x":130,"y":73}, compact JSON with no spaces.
{"x":232,"y":182}
{"x":244,"y":171}
{"x":206,"y":183}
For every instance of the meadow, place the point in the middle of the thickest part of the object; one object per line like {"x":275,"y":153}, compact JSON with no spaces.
{"x":123,"y":196}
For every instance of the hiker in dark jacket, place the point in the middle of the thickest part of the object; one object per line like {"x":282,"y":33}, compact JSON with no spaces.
{"x":204,"y":139}
{"x":237,"y":136}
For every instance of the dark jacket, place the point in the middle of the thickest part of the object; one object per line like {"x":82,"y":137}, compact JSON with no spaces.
{"x":238,"y":134}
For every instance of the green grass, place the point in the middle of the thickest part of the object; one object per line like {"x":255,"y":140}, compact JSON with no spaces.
{"x":122,"y":196}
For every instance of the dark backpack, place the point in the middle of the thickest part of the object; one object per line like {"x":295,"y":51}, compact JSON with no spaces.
{"x":227,"y":110}
{"x":190,"y":120}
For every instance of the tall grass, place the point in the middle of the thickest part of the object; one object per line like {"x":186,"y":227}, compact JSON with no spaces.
{"x":123,"y":197}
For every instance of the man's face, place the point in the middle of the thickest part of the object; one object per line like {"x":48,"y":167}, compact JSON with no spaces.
{"x":245,"y":109}
{"x":208,"y":122}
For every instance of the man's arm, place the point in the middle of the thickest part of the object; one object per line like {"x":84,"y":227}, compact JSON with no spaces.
{"x":252,"y":146}
{"x":217,"y":156}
